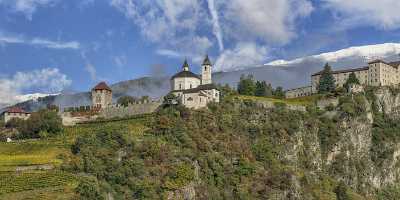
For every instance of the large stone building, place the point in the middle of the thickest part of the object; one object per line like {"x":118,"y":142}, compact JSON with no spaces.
{"x":101,"y":95}
{"x":15,"y":113}
{"x":377,"y":73}
{"x":195,"y":91}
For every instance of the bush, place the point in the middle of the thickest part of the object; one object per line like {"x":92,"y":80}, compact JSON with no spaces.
{"x":88,"y":189}
{"x":44,"y":122}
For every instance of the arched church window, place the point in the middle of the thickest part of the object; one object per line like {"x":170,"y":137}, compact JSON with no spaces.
{"x":190,"y":86}
{"x":180,"y":86}
{"x":205,"y":68}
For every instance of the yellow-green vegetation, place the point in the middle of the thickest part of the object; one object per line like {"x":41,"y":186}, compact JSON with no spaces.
{"x":300,"y":101}
{"x":30,"y":181}
{"x":51,"y":193}
{"x":29,"y":153}
{"x":53,"y":183}
{"x":135,"y":126}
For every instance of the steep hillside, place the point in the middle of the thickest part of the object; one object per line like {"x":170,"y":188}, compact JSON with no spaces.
{"x":242,"y":148}
{"x":246,"y":149}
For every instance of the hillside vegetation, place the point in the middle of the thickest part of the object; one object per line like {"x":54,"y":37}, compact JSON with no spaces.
{"x":237,"y":149}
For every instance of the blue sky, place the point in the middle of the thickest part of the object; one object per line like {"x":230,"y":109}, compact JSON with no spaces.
{"x":51,"y":45}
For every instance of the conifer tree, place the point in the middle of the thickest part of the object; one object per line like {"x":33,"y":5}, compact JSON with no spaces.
{"x":261,"y":87}
{"x":247,"y":85}
{"x":351,"y":80}
{"x":327,"y":81}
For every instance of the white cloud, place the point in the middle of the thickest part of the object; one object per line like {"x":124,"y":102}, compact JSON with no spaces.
{"x":91,"y":70}
{"x":268,"y":20}
{"x":171,"y":24}
{"x":242,"y":56}
{"x":49,"y":80}
{"x":55,"y":44}
{"x":121,"y":61}
{"x":182,"y":28}
{"x":382,"y":14}
{"x":366,"y":53}
{"x":27,"y":7}
{"x":38,"y":42}
{"x":216,"y":26}
{"x":89,"y":67}
{"x":169,"y":53}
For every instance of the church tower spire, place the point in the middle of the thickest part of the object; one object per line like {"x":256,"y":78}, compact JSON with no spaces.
{"x":206,"y":71}
{"x":185,"y":65}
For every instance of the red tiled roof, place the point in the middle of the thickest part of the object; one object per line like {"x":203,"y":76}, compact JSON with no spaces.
{"x":16,"y":110}
{"x":102,"y":86}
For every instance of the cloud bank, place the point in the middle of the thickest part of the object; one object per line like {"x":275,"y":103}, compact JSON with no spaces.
{"x":378,"y":13}
{"x":48,"y":80}
{"x":189,"y":28}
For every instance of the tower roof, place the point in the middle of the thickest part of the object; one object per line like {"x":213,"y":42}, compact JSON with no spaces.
{"x":16,"y":110}
{"x":185,"y":65}
{"x":206,"y":61}
{"x":102,"y":86}
{"x":185,"y":74}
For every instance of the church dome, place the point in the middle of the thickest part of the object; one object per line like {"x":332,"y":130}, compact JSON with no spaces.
{"x":185,"y":74}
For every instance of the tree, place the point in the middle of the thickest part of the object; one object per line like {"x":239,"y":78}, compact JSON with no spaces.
{"x":42,"y":123}
{"x":351,"y":81}
{"x":327,"y":81}
{"x":126,"y":100}
{"x":269,"y":90}
{"x":260,"y":88}
{"x":279,"y":92}
{"x":88,"y":189}
{"x":247,"y":85}
{"x":226,"y":91}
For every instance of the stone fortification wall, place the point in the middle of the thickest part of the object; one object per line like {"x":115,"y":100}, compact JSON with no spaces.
{"x":68,"y":119}
{"x":130,"y":110}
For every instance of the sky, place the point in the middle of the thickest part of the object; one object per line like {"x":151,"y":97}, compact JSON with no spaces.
{"x":52,"y":45}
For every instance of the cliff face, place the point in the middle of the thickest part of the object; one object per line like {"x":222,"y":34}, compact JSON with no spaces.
{"x":351,"y":154}
{"x":354,"y":151}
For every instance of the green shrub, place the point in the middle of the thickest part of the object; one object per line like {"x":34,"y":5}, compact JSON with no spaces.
{"x":88,"y":189}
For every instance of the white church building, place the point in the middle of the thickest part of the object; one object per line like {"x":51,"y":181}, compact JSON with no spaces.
{"x":195,"y":91}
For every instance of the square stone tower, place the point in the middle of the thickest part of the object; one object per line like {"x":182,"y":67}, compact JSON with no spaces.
{"x":206,"y":71}
{"x":101,"y":95}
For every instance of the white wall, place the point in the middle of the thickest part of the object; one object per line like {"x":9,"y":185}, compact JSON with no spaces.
{"x":9,"y":116}
{"x":185,"y":83}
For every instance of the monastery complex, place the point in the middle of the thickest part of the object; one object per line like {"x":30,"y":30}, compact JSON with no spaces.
{"x":377,"y":73}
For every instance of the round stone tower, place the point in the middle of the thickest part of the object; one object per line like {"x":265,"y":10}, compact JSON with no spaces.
{"x":101,"y":95}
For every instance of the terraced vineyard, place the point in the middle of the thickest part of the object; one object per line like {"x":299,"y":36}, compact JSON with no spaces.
{"x":19,"y":181}
{"x":29,"y":153}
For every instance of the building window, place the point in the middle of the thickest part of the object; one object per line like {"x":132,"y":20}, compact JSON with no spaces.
{"x":180,"y":86}
{"x":190,"y":99}
{"x":190,"y":86}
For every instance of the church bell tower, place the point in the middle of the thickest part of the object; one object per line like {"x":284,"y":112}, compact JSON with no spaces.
{"x":206,"y":71}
